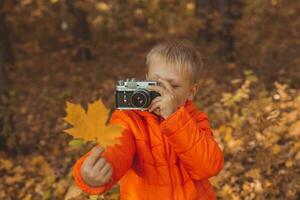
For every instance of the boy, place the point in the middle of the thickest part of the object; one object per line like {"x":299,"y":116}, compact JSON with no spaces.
{"x":167,"y":152}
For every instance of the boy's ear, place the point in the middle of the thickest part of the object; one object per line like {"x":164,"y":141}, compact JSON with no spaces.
{"x":193,"y":91}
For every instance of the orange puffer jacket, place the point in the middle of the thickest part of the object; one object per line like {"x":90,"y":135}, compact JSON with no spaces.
{"x":159,"y":158}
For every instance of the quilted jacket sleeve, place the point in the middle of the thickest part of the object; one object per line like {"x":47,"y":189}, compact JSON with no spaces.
{"x":119,"y":156}
{"x":192,"y":139}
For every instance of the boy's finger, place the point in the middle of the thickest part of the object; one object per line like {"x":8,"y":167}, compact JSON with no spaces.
{"x":156,"y":88}
{"x":98,"y":149}
{"x":154,"y":106}
{"x":153,"y":102}
{"x":94,"y":156}
{"x":156,"y":99}
{"x":157,"y":111}
{"x":107,"y":176}
{"x":99,"y":164}
{"x":105,"y":169}
{"x":166,"y":84}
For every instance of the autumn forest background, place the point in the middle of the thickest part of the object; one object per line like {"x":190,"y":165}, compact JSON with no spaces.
{"x":53,"y":51}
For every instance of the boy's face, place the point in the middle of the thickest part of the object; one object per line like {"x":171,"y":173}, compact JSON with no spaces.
{"x":182,"y":87}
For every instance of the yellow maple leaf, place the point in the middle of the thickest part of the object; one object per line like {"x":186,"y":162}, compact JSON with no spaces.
{"x":91,"y":125}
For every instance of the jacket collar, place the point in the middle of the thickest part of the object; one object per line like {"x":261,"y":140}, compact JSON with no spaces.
{"x":189,"y":105}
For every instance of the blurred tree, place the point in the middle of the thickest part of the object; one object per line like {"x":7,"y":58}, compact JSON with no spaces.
{"x":6,"y":57}
{"x":81,"y":29}
{"x":3,"y":93}
{"x":3,"y":79}
{"x":231,"y":12}
{"x":225,"y":11}
{"x":267,"y":40}
{"x":5,"y":45}
{"x":204,"y":10}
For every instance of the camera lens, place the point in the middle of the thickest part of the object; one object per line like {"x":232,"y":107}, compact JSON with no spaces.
{"x":140,"y":98}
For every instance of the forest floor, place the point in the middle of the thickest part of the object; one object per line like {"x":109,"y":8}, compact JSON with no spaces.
{"x":39,"y":165}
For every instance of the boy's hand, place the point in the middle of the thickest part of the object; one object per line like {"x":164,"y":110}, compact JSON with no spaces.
{"x":167,"y":103}
{"x":95,"y":170}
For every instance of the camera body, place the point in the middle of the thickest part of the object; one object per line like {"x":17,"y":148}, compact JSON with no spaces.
{"x":133,"y":94}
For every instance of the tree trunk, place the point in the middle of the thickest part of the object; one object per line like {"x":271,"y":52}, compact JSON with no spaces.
{"x":3,"y":77}
{"x":3,"y":94}
{"x":204,"y":11}
{"x":81,"y":31}
{"x":6,"y":57}
{"x":232,"y":11}
{"x":6,"y":47}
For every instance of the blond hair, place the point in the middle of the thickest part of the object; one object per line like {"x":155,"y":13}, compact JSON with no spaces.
{"x":176,"y":54}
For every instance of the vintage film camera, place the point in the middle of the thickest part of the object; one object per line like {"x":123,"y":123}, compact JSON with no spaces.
{"x":132,"y":94}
